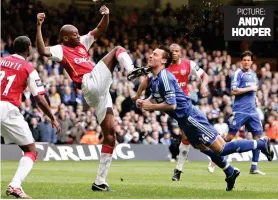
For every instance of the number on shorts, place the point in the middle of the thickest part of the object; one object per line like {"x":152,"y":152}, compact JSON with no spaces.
{"x":10,"y":82}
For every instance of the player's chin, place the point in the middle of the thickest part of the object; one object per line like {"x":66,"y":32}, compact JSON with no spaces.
{"x":150,"y":64}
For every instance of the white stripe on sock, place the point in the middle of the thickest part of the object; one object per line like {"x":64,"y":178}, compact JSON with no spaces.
{"x":255,"y":163}
{"x":228,"y":165}
{"x":255,"y":144}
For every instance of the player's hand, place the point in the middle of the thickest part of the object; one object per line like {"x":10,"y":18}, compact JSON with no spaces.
{"x":104,"y":10}
{"x":55,"y":124}
{"x":147,"y":105}
{"x":139,"y":103}
{"x":40,"y":18}
{"x":204,"y":91}
{"x":254,"y":88}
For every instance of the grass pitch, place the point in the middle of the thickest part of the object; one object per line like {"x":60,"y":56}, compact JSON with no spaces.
{"x":136,"y":179}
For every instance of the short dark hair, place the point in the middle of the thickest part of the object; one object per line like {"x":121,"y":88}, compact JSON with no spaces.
{"x":246,"y":53}
{"x":167,"y":54}
{"x":21,"y":44}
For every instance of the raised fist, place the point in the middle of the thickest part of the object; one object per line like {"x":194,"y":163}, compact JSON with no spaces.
{"x":40,"y":18}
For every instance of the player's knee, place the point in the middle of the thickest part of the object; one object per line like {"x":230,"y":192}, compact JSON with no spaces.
{"x":32,"y":155}
{"x":118,"y":48}
{"x":109,"y":134}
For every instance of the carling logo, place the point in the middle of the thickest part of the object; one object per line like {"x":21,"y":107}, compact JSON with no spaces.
{"x":248,"y":23}
{"x":84,"y":152}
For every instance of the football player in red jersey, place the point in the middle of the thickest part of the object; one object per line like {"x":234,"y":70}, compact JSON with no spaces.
{"x":182,"y":69}
{"x":15,"y":74}
{"x":94,"y":81}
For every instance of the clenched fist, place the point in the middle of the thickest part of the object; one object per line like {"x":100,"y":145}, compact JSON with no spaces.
{"x":104,"y":10}
{"x":40,"y":18}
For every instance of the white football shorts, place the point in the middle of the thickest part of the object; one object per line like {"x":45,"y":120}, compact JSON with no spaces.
{"x":95,"y":86}
{"x":14,"y":128}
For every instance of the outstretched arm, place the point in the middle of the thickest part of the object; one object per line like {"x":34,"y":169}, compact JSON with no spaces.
{"x":43,"y":51}
{"x":103,"y":24}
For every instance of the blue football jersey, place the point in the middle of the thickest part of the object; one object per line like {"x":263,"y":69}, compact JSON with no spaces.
{"x":164,"y":88}
{"x":246,"y":102}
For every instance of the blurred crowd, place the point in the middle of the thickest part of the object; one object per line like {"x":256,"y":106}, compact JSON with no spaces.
{"x":139,"y":32}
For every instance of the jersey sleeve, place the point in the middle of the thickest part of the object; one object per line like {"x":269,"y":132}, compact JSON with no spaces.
{"x":235,"y":80}
{"x":196,"y":70}
{"x":35,"y":84}
{"x":87,"y":40}
{"x":56,"y":53}
{"x":167,"y":88}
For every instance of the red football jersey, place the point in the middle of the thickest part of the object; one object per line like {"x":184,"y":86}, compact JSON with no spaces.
{"x":75,"y":60}
{"x":183,"y":70}
{"x":15,"y":74}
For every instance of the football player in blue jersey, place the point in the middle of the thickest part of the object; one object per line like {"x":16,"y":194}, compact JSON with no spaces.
{"x":244,"y":87}
{"x":167,"y":96}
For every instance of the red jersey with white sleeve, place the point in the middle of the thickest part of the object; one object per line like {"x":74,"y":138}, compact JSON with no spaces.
{"x":183,"y":70}
{"x":75,"y":60}
{"x":15,"y":74}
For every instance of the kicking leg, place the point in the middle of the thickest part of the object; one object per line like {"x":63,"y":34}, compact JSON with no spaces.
{"x":120,"y":55}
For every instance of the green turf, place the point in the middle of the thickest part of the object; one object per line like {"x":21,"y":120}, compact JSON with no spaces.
{"x":69,"y":179}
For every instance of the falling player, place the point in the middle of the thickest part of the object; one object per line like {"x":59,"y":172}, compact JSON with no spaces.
{"x":169,"y":98}
{"x":182,"y":69}
{"x":244,"y":87}
{"x":95,"y":81}
{"x":15,"y":74}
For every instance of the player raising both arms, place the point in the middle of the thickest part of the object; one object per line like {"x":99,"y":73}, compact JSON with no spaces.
{"x":94,"y":81}
{"x":15,"y":74}
{"x":168,"y":97}
{"x":182,"y":69}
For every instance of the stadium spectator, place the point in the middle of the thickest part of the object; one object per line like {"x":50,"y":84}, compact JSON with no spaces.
{"x":272,"y":129}
{"x":54,"y":98}
{"x":77,"y":132}
{"x":66,"y":125}
{"x":91,"y":137}
{"x":221,"y":126}
{"x":135,"y":139}
{"x":46,"y":132}
{"x":35,"y":129}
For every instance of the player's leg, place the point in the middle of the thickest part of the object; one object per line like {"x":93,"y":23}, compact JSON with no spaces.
{"x":219,"y":145}
{"x":255,"y":127}
{"x":236,"y":121}
{"x":182,"y":157}
{"x":25,"y":166}
{"x":201,"y":138}
{"x":223,"y":148}
{"x":120,"y":55}
{"x":15,"y":129}
{"x":105,"y":116}
{"x":211,"y":166}
{"x":206,"y":135}
{"x":230,"y":172}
